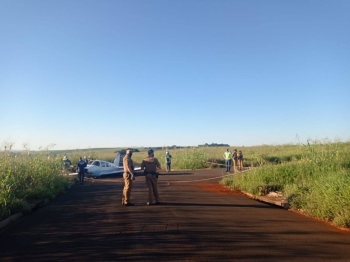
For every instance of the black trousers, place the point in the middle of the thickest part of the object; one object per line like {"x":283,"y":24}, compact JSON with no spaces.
{"x":81,"y":177}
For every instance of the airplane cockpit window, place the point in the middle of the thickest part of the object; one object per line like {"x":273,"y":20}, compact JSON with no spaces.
{"x":96,"y":163}
{"x":108,"y":165}
{"x":103,"y":164}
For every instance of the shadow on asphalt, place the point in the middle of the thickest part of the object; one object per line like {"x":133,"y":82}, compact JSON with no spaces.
{"x":140,"y":174}
{"x":175,"y":174}
{"x":215,"y":205}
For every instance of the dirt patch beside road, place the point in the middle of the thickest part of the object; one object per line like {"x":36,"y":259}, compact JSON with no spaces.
{"x":217,"y":188}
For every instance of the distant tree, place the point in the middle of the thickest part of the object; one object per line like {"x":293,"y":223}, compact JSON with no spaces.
{"x":123,"y":151}
{"x":214,"y":145}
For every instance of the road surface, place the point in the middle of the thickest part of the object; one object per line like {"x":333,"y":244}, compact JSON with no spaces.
{"x":194,"y":224}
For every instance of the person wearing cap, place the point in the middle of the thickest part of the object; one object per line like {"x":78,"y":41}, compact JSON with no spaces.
{"x":228,"y":157}
{"x":150,"y":165}
{"x":129,"y":177}
{"x":168,"y":161}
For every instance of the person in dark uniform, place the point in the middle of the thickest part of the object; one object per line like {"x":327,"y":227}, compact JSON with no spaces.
{"x":81,"y":170}
{"x":240,"y":160}
{"x":150,"y":165}
{"x":235,"y":159}
{"x":168,"y":161}
{"x":129,"y":177}
{"x":66,"y":162}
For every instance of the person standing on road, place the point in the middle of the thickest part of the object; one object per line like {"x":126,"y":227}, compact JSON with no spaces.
{"x":235,"y":159}
{"x":129,"y":177}
{"x":240,"y":160}
{"x":81,"y":170}
{"x":168,"y":161}
{"x":150,"y":165}
{"x":228,"y":158}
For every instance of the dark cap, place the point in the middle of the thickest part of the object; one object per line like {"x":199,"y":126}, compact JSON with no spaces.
{"x":150,"y":151}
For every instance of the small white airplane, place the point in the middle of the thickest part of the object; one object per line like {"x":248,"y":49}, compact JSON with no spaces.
{"x":98,"y":168}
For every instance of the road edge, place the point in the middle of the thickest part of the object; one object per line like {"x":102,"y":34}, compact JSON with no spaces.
{"x":32,"y":207}
{"x":269,"y":200}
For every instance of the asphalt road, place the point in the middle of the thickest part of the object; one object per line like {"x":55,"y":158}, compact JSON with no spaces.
{"x":90,"y":224}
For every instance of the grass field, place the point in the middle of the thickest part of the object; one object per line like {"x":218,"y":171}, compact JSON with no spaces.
{"x":24,"y":177}
{"x":315,"y":176}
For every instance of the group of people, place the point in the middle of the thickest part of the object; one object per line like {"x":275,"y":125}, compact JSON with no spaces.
{"x":80,"y":168}
{"x":150,"y":165}
{"x":67,"y":163}
{"x":237,"y":158}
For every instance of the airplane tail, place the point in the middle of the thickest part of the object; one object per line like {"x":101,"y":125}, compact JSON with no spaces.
{"x":117,"y":159}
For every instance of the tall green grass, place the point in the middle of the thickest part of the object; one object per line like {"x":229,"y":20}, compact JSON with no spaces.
{"x":189,"y":158}
{"x":315,"y":178}
{"x":212,"y":157}
{"x":24,"y":177}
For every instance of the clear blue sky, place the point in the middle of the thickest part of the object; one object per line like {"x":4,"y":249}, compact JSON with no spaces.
{"x":108,"y":73}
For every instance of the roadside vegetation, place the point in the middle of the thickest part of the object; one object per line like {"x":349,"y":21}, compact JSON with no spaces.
{"x":314,"y":177}
{"x":25,"y":177}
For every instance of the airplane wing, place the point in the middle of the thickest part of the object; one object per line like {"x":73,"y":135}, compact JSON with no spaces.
{"x":100,"y":167}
